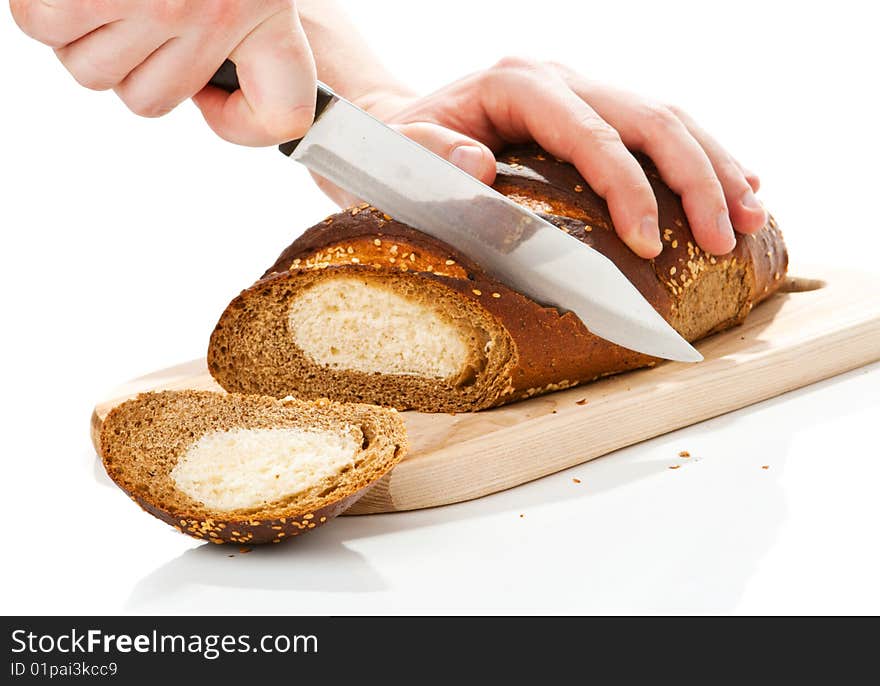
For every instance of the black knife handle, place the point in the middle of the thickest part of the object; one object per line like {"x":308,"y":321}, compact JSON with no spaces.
{"x":226,"y":78}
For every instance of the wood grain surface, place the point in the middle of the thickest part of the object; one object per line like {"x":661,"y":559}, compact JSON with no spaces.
{"x":815,"y":328}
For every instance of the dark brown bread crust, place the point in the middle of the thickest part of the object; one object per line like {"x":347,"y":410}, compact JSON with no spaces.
{"x":250,"y":531}
{"x":154,"y":428}
{"x":697,"y":293}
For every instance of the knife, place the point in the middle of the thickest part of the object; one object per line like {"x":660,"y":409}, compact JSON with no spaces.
{"x":374,"y":162}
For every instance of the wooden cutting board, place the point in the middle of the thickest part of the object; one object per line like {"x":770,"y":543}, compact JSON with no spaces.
{"x":816,"y":328}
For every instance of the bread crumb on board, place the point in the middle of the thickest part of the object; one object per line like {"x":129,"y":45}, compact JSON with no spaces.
{"x":244,"y":551}
{"x":765,"y":466}
{"x":674,"y":466}
{"x":684,"y":453}
{"x":577,"y":481}
{"x":582,"y":401}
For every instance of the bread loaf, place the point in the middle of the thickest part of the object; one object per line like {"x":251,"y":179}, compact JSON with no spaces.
{"x":247,"y":469}
{"x":363,"y":308}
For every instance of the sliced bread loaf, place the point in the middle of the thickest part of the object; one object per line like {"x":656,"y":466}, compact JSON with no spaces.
{"x":363,"y":308}
{"x":247,"y":469}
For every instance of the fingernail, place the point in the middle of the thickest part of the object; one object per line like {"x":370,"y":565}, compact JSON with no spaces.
{"x":650,"y":233}
{"x":468,"y":158}
{"x":750,"y":200}
{"x":725,"y":228}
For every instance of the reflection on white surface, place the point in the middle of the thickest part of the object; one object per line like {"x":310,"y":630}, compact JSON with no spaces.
{"x":634,"y":536}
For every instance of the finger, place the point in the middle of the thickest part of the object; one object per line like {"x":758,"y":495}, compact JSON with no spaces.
{"x":528,"y":101}
{"x":277,"y":74}
{"x":174,"y":72}
{"x":746,"y":211}
{"x":103,"y":58}
{"x":464,"y":152}
{"x":182,"y":65}
{"x":163,"y":80}
{"x":341,"y":197}
{"x":681,"y":161}
{"x":753,"y":179}
{"x":58,"y":22}
{"x":683,"y":164}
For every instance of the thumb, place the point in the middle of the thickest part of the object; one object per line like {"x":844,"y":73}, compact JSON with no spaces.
{"x":465,"y":153}
{"x":277,"y":74}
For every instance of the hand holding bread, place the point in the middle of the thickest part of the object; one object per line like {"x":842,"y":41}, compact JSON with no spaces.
{"x":594,"y":126}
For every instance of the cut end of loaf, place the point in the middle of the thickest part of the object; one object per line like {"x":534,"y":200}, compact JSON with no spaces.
{"x":407,"y":341}
{"x":247,"y":469}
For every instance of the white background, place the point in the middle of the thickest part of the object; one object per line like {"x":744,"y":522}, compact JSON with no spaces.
{"x":124,"y":238}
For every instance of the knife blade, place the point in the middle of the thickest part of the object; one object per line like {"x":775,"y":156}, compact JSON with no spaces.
{"x":362,"y":155}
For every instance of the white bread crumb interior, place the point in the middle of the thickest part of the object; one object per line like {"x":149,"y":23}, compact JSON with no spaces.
{"x":352,"y":324}
{"x":245,"y":468}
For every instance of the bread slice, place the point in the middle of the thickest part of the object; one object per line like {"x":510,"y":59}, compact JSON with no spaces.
{"x":362,"y":308}
{"x":247,"y":469}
